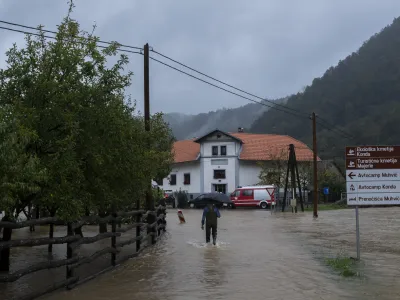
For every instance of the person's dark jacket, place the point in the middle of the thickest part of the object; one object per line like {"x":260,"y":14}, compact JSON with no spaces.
{"x":210,"y":216}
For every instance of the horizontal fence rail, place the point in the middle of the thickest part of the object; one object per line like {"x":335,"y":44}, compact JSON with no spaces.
{"x":136,"y":219}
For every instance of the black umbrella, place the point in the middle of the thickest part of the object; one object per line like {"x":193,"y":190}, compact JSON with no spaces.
{"x":212,"y":198}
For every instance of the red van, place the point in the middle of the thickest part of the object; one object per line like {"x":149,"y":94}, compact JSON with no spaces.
{"x":260,"y":195}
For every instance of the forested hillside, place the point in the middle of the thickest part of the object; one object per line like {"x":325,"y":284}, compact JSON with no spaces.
{"x":189,"y":126}
{"x":361,"y":96}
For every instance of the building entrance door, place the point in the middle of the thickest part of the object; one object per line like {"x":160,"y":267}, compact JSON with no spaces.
{"x":219,"y":188}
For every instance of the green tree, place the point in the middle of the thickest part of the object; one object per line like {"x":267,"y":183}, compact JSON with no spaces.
{"x":21,"y":175}
{"x":327,"y":177}
{"x":161,"y":142}
{"x":305,"y":173}
{"x":274,"y":170}
{"x":40,"y":83}
{"x":20,"y":172}
{"x":71,"y":140}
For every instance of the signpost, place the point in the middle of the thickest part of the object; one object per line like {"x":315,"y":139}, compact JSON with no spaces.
{"x":326,"y":190}
{"x":372,"y":178}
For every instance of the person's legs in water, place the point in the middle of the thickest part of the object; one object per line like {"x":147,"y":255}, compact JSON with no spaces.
{"x":214,"y":233}
{"x":208,"y":231}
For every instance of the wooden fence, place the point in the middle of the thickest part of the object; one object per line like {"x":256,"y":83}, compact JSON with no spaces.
{"x":122,"y":222}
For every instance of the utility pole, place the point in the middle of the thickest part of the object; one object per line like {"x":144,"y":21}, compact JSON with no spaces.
{"x":315,"y":194}
{"x":149,"y":195}
{"x":296,"y":172}
{"x":286,"y":185}
{"x":292,"y":176}
{"x":146,"y":87}
{"x":293,"y":172}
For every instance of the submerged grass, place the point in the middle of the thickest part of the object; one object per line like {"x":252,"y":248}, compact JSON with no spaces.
{"x":331,"y":206}
{"x":344,"y":265}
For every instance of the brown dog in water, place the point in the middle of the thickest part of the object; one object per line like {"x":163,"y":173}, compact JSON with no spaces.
{"x":181,"y":217}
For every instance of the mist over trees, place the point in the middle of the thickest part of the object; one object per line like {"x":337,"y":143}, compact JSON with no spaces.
{"x":359,"y":96}
{"x":228,"y":120}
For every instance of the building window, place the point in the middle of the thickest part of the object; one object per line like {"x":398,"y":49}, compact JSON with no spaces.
{"x":220,"y":188}
{"x":172,"y":180}
{"x":219,"y":174}
{"x":186,"y":178}
{"x":159,"y":181}
{"x":223,"y":150}
{"x":247,"y":193}
{"x":236,"y":194}
{"x":214,"y":150}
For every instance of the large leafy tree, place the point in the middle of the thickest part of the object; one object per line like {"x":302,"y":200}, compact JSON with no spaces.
{"x":70,"y":139}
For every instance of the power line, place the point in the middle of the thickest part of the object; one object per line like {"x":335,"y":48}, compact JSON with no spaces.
{"x":54,"y":32}
{"x":221,"y":88}
{"x":250,"y":94}
{"x":54,"y":38}
{"x":295,"y":112}
{"x":332,"y":130}
{"x":236,"y":94}
{"x":224,"y":83}
{"x":338,"y":129}
{"x":343,"y":133}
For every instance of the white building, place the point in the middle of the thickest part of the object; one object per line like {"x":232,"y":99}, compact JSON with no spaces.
{"x":221,"y":161}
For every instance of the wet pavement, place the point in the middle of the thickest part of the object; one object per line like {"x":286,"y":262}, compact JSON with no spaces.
{"x":259,"y":256}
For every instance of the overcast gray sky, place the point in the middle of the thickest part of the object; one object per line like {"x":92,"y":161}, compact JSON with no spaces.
{"x":271,"y":48}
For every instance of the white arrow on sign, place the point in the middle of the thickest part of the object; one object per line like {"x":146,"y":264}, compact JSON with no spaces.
{"x":351,"y":175}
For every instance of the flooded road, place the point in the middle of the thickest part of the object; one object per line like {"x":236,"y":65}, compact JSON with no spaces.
{"x":259,"y":256}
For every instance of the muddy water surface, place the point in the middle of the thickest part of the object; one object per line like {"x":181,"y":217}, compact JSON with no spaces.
{"x":260,"y":256}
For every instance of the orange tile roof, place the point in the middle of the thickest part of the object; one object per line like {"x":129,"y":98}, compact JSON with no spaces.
{"x":271,"y":146}
{"x":186,"y":150}
{"x":256,"y":147}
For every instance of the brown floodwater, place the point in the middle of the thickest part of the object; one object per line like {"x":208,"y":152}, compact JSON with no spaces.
{"x":259,"y":255}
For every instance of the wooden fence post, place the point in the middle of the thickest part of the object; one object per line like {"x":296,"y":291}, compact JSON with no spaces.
{"x":151,"y":218}
{"x":5,"y":252}
{"x":114,"y":239}
{"x":159,"y":211}
{"x":164,"y":221}
{"x":139,"y":219}
{"x":138,"y":231}
{"x":70,"y":252}
{"x":51,"y":232}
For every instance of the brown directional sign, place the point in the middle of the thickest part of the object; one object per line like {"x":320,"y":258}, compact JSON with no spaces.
{"x":373,"y":175}
{"x":373,"y":163}
{"x":372,"y":151}
{"x":372,"y":157}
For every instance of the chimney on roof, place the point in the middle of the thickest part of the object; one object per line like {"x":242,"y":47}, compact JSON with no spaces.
{"x":240,"y":129}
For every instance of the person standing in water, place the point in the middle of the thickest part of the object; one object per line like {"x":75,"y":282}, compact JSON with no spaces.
{"x":210,"y":217}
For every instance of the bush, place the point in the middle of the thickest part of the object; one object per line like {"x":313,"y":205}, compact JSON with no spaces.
{"x":182,"y":198}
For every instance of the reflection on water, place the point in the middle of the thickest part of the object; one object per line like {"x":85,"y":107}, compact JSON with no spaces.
{"x":259,"y":256}
{"x":198,"y":244}
{"x":213,"y":271}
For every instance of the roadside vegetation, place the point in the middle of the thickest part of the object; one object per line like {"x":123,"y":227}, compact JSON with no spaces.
{"x":345,"y":266}
{"x":327,"y":206}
